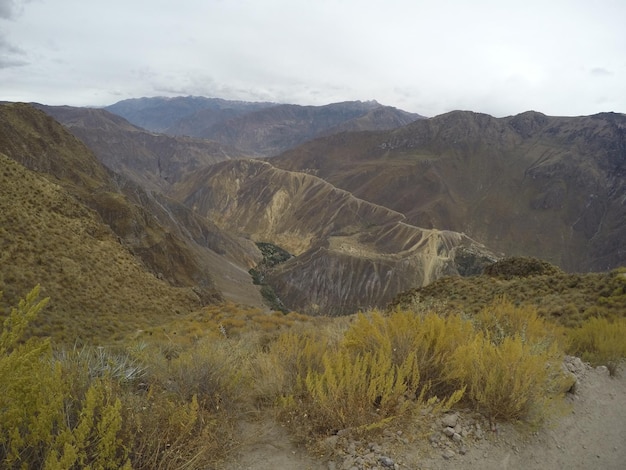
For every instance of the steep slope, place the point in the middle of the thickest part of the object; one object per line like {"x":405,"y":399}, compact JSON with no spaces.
{"x":294,"y":210}
{"x":154,"y":161}
{"x":350,"y":254}
{"x":567,"y":298}
{"x":174,"y":247}
{"x":99,"y":291}
{"x":530,"y":184}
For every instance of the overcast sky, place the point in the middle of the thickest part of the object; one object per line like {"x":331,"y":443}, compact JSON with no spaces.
{"x":501,"y":57}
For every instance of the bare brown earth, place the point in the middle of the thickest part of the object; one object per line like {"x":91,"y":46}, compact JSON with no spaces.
{"x":588,"y":434}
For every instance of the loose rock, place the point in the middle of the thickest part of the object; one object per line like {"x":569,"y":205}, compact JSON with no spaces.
{"x":450,"y":420}
{"x":448,"y":454}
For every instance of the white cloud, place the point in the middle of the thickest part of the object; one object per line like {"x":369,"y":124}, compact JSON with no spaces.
{"x":11,"y":9}
{"x":428,"y":57}
{"x":600,"y":72}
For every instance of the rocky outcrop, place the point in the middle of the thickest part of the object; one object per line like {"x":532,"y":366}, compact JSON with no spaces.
{"x":353,"y":273}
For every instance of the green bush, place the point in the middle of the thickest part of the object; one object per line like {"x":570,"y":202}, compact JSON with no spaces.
{"x":519,"y":266}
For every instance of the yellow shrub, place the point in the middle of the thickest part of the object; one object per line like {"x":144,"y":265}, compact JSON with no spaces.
{"x":600,"y":341}
{"x":501,"y":319}
{"x":213,"y":371}
{"x":298,"y":354}
{"x":507,"y":380}
{"x":359,"y":390}
{"x":371,"y":373}
{"x":42,"y":424}
{"x":430,"y":337}
{"x":167,"y":432}
{"x":94,"y":441}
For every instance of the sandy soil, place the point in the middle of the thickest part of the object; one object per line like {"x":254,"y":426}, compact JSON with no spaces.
{"x":591,"y":435}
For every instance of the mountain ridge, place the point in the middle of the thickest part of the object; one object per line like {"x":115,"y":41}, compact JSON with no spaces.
{"x":152,"y":160}
{"x":524,"y":185}
{"x":160,"y":113}
{"x":439,"y":196}
{"x":261,"y":129}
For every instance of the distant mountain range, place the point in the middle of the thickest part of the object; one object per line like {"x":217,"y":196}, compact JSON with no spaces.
{"x":370,"y":200}
{"x":257,"y":129}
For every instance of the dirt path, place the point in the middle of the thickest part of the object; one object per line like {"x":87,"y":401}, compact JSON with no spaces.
{"x":592,"y":435}
{"x":267,"y":445}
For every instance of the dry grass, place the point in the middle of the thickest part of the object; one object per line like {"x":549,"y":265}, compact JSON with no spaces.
{"x":600,"y":341}
{"x":568,"y":299}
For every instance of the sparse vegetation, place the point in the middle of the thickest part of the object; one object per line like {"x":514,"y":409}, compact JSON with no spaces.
{"x":118,"y":368}
{"x":47,"y":237}
{"x":46,"y":420}
{"x":519,"y":266}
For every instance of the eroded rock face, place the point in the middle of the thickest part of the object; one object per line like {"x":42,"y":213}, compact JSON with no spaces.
{"x":348,"y":274}
{"x":292,"y":210}
{"x":350,"y":254}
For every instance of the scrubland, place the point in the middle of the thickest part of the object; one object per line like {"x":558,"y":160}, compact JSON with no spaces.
{"x":171,"y":396}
